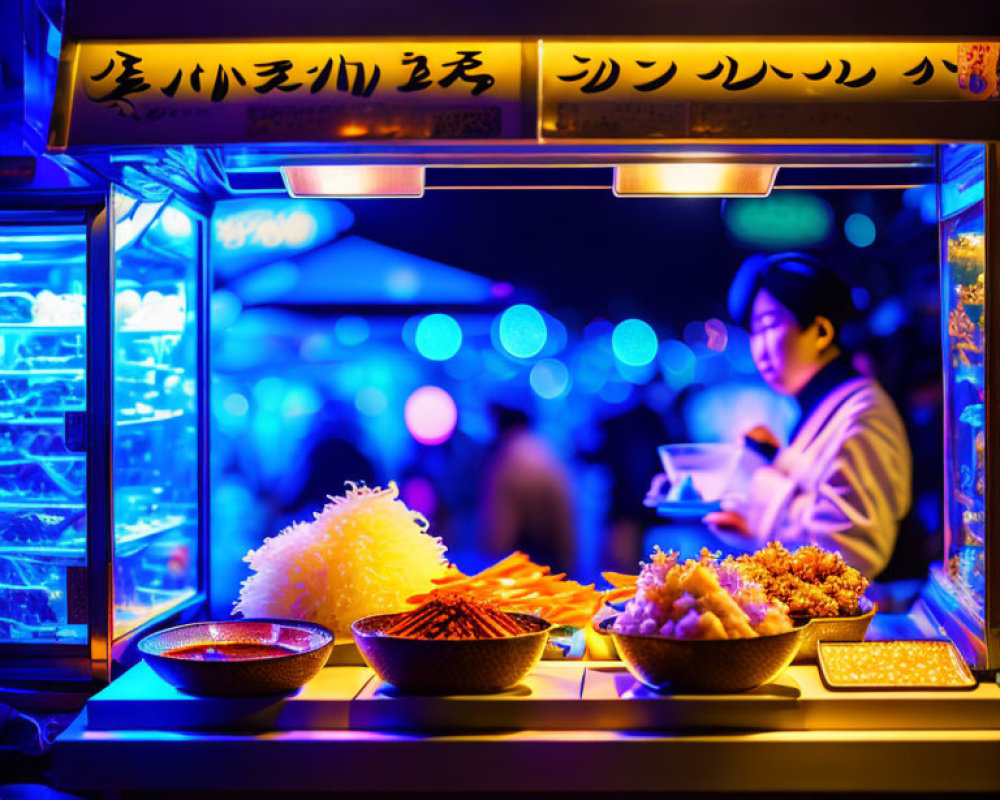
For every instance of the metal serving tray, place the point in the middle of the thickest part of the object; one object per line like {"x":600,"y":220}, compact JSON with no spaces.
{"x":877,"y":652}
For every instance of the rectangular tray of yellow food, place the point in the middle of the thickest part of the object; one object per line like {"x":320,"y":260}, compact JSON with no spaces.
{"x":893,"y":665}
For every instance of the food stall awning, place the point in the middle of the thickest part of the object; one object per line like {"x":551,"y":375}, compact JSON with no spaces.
{"x":355,"y":271}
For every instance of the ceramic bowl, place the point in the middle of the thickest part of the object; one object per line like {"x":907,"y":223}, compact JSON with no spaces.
{"x":450,"y":666}
{"x":305,"y":645}
{"x":834,"y":629}
{"x":715,"y":666}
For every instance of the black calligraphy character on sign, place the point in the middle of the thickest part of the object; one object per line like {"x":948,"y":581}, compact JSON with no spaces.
{"x":220,"y":86}
{"x":656,"y":83}
{"x":925,"y":69}
{"x":856,"y":83}
{"x":419,"y":76}
{"x":277,"y":74}
{"x":730,"y":83}
{"x":598,"y":82}
{"x":463,"y":67}
{"x":171,"y":88}
{"x":819,"y":74}
{"x":129,"y":81}
{"x":358,"y":88}
{"x":843,"y":78}
{"x":322,"y":77}
{"x":196,"y":77}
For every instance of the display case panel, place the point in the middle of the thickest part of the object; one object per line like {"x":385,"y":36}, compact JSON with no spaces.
{"x":155,"y":436}
{"x":963,"y":321}
{"x":43,"y":462}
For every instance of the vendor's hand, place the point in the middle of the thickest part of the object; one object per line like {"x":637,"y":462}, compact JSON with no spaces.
{"x":656,"y":487}
{"x":763,"y":435}
{"x":731,"y":522}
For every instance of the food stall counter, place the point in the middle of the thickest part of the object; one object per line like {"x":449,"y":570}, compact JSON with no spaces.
{"x":613,"y":735}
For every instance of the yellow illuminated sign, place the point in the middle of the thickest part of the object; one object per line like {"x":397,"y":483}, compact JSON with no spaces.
{"x":207,"y":92}
{"x":124,"y":93}
{"x":626,"y":77}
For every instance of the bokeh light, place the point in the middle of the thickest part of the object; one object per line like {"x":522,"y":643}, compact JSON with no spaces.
{"x":430,"y":415}
{"x":438,"y":337}
{"x":502,"y":289}
{"x":738,"y":352}
{"x":370,"y":401}
{"x":549,"y":378}
{"x":859,"y":230}
{"x":556,"y":336}
{"x":887,"y":317}
{"x":419,"y":494}
{"x":465,"y":365}
{"x":924,"y":200}
{"x":782,"y":221}
{"x":634,"y":342}
{"x":522,"y":331}
{"x":717,"y":335}
{"x":317,"y":347}
{"x":637,"y":375}
{"x":300,"y":401}
{"x":678,"y":362}
{"x":696,"y":337}
{"x":236,"y":405}
{"x":351,"y":330}
{"x":598,"y":329}
{"x":226,"y":308}
{"x":268,"y":393}
{"x":615,"y":392}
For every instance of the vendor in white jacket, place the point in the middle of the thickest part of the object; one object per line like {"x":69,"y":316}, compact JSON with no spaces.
{"x":844,"y":480}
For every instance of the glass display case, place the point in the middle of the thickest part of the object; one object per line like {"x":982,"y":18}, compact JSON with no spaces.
{"x":155,"y":435}
{"x":957,"y":596}
{"x":43,"y":463}
{"x":101,"y":443}
{"x":963,"y":269}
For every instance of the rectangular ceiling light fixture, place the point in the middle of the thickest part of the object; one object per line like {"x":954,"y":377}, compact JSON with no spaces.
{"x":354,"y":181}
{"x":694,"y":180}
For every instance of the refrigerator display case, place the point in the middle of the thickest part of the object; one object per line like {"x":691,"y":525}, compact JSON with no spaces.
{"x":43,"y":401}
{"x":101,"y":445}
{"x":959,"y":592}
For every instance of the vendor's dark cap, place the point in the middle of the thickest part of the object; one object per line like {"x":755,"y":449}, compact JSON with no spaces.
{"x":801,"y":283}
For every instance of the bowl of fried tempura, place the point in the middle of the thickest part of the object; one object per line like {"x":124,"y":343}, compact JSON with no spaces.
{"x":695,"y":627}
{"x":704,"y":666}
{"x":817,"y":586}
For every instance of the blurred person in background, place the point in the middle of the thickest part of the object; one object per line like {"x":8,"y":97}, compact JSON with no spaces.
{"x":527,"y":501}
{"x":843,"y":481}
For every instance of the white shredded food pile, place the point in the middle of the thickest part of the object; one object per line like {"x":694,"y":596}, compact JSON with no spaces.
{"x":363,"y":554}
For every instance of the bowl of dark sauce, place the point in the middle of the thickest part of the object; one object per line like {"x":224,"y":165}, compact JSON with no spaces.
{"x":238,"y":658}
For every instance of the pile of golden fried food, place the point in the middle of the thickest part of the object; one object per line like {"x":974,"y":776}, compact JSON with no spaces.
{"x":811,"y":581}
{"x":693,"y":599}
